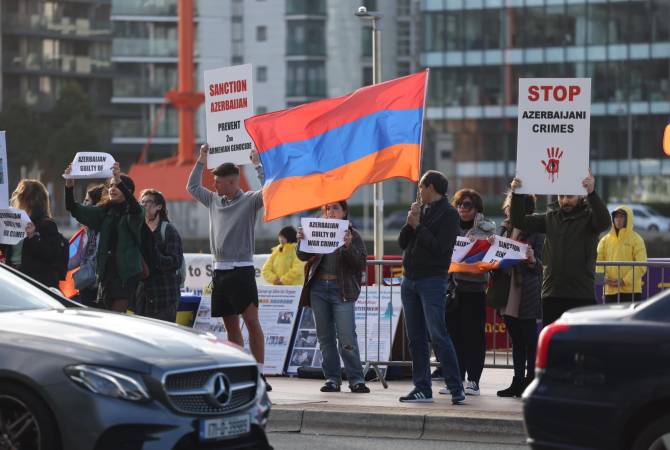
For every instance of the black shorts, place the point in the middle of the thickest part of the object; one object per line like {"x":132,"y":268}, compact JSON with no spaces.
{"x":233,"y":291}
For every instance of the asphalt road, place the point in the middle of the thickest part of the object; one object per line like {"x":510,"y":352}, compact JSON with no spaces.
{"x":298,"y":441}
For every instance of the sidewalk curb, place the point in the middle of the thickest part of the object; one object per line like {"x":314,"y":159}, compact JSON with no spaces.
{"x":405,"y":424}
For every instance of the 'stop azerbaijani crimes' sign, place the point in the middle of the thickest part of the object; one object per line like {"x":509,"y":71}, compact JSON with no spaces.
{"x":228,"y":101}
{"x":553,"y":135}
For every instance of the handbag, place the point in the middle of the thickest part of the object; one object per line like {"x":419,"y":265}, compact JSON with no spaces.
{"x":84,"y":277}
{"x":498,"y":292}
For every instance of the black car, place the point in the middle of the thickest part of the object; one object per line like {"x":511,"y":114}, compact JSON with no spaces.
{"x":603,"y":379}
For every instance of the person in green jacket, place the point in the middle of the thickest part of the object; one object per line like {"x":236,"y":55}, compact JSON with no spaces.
{"x":118,"y":220}
{"x":572,"y":228}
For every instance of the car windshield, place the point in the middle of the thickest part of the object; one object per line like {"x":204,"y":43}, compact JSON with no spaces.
{"x":17,"y":294}
{"x":653,"y":212}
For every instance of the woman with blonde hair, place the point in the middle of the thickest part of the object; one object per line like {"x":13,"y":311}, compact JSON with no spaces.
{"x":38,"y":255}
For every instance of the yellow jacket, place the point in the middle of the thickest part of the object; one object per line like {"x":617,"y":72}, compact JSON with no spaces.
{"x":626,"y":246}
{"x":285,"y":265}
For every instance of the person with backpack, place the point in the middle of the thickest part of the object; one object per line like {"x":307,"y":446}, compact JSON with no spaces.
{"x":118,"y":220}
{"x":43,"y":253}
{"x":158,"y":296}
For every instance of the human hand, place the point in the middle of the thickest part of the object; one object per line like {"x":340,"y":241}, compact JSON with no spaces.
{"x":516,"y":184}
{"x":116,"y":172}
{"x":202,"y":156}
{"x":530,"y":255}
{"x":589,"y":182}
{"x":412,"y":219}
{"x":254,"y":157}
{"x":612,"y":283}
{"x":69,"y":182}
{"x":348,"y":237}
{"x":491,"y":239}
{"x":277,"y":281}
{"x":30,"y":230}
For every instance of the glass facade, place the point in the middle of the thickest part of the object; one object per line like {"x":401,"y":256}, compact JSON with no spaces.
{"x":305,"y":50}
{"x":477,"y":55}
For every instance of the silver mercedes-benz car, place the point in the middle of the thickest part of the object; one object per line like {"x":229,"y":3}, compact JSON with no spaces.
{"x":76,"y":378}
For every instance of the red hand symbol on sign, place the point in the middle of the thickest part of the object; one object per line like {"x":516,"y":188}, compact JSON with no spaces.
{"x":554,"y":155}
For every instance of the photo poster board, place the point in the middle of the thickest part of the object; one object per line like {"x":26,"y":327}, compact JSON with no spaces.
{"x":322,"y":236}
{"x":4,"y":178}
{"x":382,"y":307}
{"x":277,"y":311}
{"x":228,"y":102}
{"x":554,"y":119}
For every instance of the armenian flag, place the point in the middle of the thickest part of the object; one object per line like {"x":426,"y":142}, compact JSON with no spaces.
{"x":321,"y":152}
{"x":666,"y":138}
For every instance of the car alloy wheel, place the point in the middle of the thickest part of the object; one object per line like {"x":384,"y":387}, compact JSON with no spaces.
{"x":19,"y":428}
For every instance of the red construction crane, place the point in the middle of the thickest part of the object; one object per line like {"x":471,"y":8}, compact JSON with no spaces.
{"x":170,"y":175}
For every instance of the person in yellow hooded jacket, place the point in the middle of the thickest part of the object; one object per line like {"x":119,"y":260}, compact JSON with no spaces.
{"x":622,"y":243}
{"x":283,"y":267}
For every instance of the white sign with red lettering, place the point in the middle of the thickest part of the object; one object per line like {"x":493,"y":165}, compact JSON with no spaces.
{"x":228,"y":101}
{"x":553,"y":135}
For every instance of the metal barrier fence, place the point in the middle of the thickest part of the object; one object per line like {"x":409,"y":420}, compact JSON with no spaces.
{"x":653,"y":281}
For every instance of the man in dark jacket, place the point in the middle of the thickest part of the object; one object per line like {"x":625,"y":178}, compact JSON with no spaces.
{"x":427,"y":241}
{"x":572,"y":228}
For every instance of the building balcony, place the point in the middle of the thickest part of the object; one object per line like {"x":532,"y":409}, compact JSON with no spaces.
{"x":62,"y":64}
{"x":306,"y":8}
{"x":136,"y":88}
{"x":136,"y":47}
{"x":64,"y":27}
{"x":147,"y":8}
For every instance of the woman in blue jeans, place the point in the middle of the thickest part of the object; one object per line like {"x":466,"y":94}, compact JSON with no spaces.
{"x":332,"y":286}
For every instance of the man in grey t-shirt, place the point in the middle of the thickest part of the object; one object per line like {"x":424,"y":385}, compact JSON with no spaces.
{"x":232,"y":217}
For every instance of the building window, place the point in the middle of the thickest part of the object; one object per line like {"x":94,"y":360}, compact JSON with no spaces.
{"x":367,"y":76}
{"x":303,"y":7}
{"x":306,"y":79}
{"x":237,"y":59}
{"x":404,"y":39}
{"x":261,"y":33}
{"x":261,"y":110}
{"x":261,"y":74}
{"x":305,"y":37}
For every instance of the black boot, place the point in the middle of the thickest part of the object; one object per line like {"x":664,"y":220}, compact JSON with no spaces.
{"x":515,"y":389}
{"x":527,"y":381}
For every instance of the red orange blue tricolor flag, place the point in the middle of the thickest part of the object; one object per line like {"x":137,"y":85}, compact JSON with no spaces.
{"x":666,"y":139}
{"x":321,"y":152}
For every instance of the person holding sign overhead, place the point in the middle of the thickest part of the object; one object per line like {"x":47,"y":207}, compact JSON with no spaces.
{"x":572,"y":227}
{"x":332,"y":286}
{"x":118,"y":220}
{"x":232,"y":217}
{"x":39,"y":254}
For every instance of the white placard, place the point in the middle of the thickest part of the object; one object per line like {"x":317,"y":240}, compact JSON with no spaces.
{"x":228,"y":101}
{"x":505,"y":249}
{"x":199,"y":268}
{"x":13,"y":224}
{"x":91,"y":165}
{"x":553,"y":135}
{"x":375,"y":335}
{"x":461,"y":248}
{"x":322,"y":235}
{"x":277,"y":311}
{"x":4,"y":175}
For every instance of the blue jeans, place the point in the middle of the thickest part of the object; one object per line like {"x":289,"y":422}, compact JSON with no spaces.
{"x":424,"y":303}
{"x":335,"y":324}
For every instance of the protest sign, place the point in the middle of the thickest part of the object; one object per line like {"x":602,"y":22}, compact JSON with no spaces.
{"x":322,"y":235}
{"x":199,"y":269}
{"x":504,"y":249}
{"x":4,"y":189}
{"x":228,"y":101}
{"x":91,"y":165}
{"x":377,"y":315}
{"x":13,"y":224}
{"x":554,"y":117}
{"x":277,"y":311}
{"x":461,"y":248}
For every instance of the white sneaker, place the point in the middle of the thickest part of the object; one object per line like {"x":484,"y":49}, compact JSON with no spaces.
{"x":471,"y":388}
{"x":445,"y":391}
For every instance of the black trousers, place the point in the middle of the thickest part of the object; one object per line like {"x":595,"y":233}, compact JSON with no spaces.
{"x":554,"y":307}
{"x":523,"y":333}
{"x":621,"y":298}
{"x":466,"y":325}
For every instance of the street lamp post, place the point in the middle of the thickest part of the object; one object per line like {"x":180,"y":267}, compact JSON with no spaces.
{"x":378,"y":215}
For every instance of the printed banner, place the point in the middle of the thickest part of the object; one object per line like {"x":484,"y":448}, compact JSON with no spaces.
{"x":322,"y":235}
{"x":228,"y":102}
{"x":377,"y":315}
{"x":4,"y":177}
{"x":13,"y":224}
{"x":199,"y":268}
{"x":277,"y":311}
{"x":505,"y":252}
{"x":91,"y":165}
{"x":553,"y":135}
{"x":461,"y":248}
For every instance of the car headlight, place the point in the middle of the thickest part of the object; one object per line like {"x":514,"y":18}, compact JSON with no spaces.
{"x":108,"y":382}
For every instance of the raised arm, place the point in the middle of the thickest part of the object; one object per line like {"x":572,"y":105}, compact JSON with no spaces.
{"x":600,"y":217}
{"x":194,"y":186}
{"x":530,"y":223}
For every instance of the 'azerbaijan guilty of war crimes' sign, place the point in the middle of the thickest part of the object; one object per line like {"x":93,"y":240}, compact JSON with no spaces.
{"x":322,"y":235}
{"x":13,"y":224}
{"x":553,"y":135}
{"x":228,"y":101}
{"x":91,"y":165}
{"x":504,"y":248}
